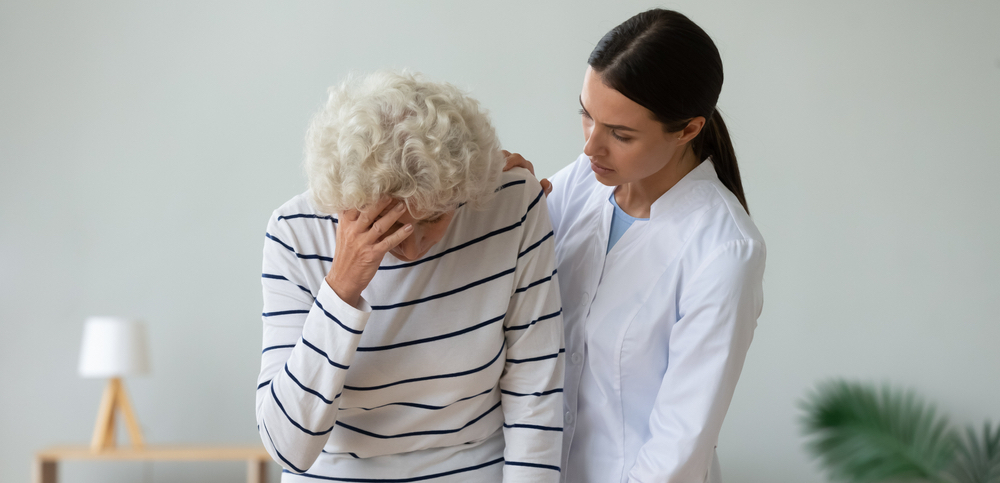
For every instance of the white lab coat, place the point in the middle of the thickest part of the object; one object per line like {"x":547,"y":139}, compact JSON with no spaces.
{"x":656,"y":330}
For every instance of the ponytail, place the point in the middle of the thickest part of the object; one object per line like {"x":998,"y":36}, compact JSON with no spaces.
{"x":714,"y":141}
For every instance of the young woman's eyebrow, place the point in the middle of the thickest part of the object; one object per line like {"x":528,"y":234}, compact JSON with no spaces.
{"x":617,"y":127}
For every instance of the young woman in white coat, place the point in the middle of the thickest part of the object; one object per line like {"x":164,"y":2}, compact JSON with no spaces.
{"x":659,"y":263}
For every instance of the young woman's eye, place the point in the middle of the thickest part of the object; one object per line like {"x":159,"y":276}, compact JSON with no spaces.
{"x":584,"y":114}
{"x":620,"y":138}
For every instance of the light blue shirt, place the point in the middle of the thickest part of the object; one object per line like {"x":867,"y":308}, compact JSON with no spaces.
{"x":620,"y":221}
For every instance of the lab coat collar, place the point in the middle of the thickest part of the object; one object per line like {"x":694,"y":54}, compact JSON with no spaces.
{"x":688,"y":194}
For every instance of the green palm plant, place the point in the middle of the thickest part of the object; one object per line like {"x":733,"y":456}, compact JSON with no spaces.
{"x":977,"y":461}
{"x":868,"y":434}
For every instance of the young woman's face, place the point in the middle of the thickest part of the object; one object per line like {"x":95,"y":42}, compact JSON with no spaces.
{"x":428,"y":229}
{"x":624,"y":142}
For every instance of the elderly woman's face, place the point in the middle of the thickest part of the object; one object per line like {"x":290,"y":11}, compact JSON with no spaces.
{"x":428,"y":229}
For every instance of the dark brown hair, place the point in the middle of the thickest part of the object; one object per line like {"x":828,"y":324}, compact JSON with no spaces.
{"x":666,"y":63}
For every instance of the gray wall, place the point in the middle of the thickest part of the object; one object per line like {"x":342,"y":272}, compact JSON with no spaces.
{"x":143,"y":146}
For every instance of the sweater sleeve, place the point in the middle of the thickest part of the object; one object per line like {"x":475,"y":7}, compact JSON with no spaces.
{"x":708,"y":344}
{"x":532,"y":381}
{"x":308,"y":344}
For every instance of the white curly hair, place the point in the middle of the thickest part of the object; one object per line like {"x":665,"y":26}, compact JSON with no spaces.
{"x":395,"y":134}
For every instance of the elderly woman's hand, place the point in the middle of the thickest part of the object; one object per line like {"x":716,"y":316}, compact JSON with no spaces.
{"x":515,"y":160}
{"x":363,"y":239}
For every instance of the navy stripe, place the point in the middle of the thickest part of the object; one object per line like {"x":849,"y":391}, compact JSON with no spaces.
{"x":428,"y":378}
{"x":431,"y":339}
{"x":532,"y":465}
{"x":262,"y":384}
{"x":536,"y":282}
{"x":455,"y":248}
{"x":536,"y":359}
{"x":328,"y":314}
{"x":306,"y":389}
{"x":297,"y":425}
{"x":277,"y":347}
{"x":532,"y":426}
{"x":305,"y":215}
{"x":284,"y":312}
{"x":544,"y":393}
{"x":529,"y":324}
{"x":320,"y":351}
{"x":275,"y":448}
{"x":418,"y":433}
{"x":424,"y":406}
{"x":535,"y":245}
{"x":279,"y":277}
{"x":533,"y":203}
{"x":314,"y":257}
{"x":444,"y":294}
{"x":508,"y":185}
{"x":272,"y":237}
{"x":297,"y":254}
{"x":402,"y":480}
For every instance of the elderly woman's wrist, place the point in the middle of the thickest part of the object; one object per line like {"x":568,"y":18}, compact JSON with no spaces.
{"x":350,"y":294}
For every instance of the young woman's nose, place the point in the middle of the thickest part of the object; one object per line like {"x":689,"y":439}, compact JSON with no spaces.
{"x":592,"y":145}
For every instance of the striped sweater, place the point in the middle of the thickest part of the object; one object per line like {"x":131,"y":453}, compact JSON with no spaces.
{"x":451,"y":369}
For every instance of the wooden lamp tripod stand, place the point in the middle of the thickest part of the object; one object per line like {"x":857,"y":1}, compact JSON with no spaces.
{"x":114,"y":347}
{"x":114,"y":399}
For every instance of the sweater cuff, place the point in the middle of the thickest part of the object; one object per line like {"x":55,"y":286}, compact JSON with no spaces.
{"x":345,"y":313}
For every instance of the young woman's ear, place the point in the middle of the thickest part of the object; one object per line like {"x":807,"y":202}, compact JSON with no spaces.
{"x":691,"y":130}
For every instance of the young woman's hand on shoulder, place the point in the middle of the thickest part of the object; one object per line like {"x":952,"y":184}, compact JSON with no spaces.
{"x":515,"y":160}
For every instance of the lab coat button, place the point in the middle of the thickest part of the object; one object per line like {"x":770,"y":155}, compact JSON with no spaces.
{"x":569,"y":418}
{"x":576,"y":358}
{"x":586,"y":296}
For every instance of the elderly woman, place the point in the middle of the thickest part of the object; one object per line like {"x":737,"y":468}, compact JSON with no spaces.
{"x":412,"y":327}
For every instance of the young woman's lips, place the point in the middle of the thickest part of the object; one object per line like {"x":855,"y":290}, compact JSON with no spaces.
{"x":598,"y":169}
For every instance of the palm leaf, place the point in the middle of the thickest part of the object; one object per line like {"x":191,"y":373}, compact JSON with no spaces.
{"x":977,"y":462}
{"x":867,"y":435}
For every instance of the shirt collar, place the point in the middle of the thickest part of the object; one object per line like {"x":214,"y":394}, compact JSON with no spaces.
{"x":685,"y":194}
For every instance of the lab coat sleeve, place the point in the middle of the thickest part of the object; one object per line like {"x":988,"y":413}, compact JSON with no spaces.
{"x":563,"y":184}
{"x":718,"y":313}
{"x":308,"y":344}
{"x":532,"y":381}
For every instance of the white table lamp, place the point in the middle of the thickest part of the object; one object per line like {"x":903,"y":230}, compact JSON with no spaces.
{"x":114,"y":347}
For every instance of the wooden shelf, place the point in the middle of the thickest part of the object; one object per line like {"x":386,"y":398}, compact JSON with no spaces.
{"x":47,"y":460}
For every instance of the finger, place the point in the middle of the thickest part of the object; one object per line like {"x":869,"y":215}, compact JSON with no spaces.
{"x":389,"y":208}
{"x":384,"y":223}
{"x":546,"y":186}
{"x":517,"y":161}
{"x":395,"y":238}
{"x":371,"y":212}
{"x":505,"y":153}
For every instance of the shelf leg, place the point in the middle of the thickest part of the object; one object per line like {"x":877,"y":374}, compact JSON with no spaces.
{"x":257,"y":471}
{"x":45,"y":471}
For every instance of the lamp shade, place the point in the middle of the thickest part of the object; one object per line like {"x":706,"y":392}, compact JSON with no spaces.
{"x":113,"y":347}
